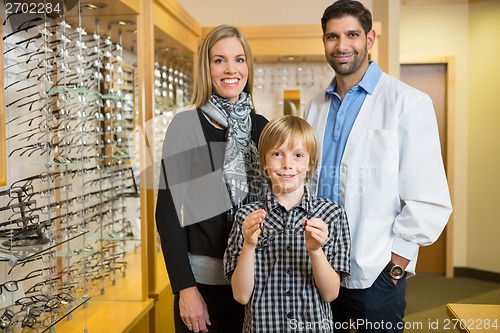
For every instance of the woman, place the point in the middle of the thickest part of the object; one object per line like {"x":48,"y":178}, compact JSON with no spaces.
{"x":209,"y":169}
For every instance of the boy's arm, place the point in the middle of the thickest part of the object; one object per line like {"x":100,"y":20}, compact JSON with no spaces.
{"x":242,"y":279}
{"x":326,"y":278}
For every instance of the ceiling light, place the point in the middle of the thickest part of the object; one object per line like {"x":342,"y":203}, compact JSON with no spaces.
{"x":93,"y":5}
{"x":166,"y":49}
{"x":291,"y":58}
{"x":122,"y":22}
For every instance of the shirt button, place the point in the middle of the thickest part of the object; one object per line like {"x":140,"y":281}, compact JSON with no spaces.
{"x":289,"y":315}
{"x":289,"y":247}
{"x":288,"y":293}
{"x":288,"y":271}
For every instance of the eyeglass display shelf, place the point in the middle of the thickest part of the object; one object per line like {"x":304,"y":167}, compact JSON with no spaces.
{"x":17,"y":255}
{"x":118,"y":157}
{"x":112,"y":238}
{"x":131,"y":195}
{"x":48,"y":165}
{"x":59,"y":164}
{"x":75,"y":304}
{"x":112,"y":96}
{"x":76,"y":90}
{"x":74,"y":254}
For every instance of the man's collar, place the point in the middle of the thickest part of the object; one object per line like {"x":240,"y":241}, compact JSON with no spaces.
{"x":367,"y":83}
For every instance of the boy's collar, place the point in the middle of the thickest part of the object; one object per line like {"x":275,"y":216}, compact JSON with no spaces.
{"x":305,"y":203}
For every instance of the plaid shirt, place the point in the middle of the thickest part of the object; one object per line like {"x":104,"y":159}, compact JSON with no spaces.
{"x":285,"y":297}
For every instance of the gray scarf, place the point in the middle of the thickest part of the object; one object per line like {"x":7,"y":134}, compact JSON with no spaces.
{"x":240,"y":171}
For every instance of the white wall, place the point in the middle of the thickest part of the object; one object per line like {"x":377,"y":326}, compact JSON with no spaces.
{"x":444,"y":32}
{"x":483,"y":213}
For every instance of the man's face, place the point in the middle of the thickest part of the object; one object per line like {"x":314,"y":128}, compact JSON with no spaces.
{"x":346,"y":45}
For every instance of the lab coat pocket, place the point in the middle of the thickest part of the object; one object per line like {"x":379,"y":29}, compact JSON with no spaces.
{"x":382,"y":150}
{"x":375,"y":246}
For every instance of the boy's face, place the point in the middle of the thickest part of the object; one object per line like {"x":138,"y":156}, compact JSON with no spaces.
{"x":287,"y":168}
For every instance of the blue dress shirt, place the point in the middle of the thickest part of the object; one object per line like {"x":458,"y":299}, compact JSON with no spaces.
{"x":341,"y":118}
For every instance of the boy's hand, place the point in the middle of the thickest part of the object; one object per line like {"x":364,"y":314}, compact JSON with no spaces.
{"x":252,"y":226}
{"x":316,"y":233}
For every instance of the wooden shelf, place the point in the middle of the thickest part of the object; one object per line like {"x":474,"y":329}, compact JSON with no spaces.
{"x":176,"y":27}
{"x":280,"y":43}
{"x":470,"y":318}
{"x":106,"y":19}
{"x":141,"y":301}
{"x":126,"y":288}
{"x":119,"y":309}
{"x":164,"y":299}
{"x":162,"y":280}
{"x":106,"y":317}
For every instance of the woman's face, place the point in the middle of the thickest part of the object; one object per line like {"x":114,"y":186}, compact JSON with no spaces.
{"x":228,"y":68}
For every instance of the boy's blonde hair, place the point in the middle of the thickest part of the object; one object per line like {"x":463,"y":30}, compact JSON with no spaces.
{"x":293,"y":129}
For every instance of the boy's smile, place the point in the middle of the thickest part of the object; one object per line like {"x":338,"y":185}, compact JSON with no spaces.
{"x":287,"y":168}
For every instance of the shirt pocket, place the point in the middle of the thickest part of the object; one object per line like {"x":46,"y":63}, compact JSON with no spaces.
{"x":382,"y":150}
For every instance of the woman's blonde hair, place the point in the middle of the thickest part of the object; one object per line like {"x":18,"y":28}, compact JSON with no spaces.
{"x":203,"y":82}
{"x":293,"y":129}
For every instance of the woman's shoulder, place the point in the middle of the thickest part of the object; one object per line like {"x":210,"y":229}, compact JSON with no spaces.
{"x":184,"y":116}
{"x":259,"y":119}
{"x":186,"y":112}
{"x":185,"y":127}
{"x":258,"y":123}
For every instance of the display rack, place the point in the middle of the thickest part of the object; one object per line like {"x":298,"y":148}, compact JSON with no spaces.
{"x":3,"y":152}
{"x":79,"y":174}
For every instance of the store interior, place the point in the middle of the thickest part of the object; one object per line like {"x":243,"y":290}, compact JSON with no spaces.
{"x":89,"y":91}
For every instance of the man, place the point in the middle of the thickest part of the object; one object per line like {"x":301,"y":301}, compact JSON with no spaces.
{"x":381,"y":161}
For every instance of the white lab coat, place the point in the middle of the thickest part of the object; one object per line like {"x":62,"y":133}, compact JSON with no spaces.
{"x":392,"y":180}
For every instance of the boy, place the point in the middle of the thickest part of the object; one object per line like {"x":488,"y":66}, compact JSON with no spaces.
{"x":286,"y":254}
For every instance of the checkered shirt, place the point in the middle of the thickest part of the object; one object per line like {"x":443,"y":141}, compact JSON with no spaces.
{"x":285,"y":297}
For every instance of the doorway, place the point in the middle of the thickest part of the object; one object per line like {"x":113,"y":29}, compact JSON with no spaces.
{"x":432,"y":78}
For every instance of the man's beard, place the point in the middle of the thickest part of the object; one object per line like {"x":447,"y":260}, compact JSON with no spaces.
{"x":350,"y":67}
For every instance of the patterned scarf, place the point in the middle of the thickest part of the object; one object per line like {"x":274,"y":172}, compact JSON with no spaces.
{"x":240,"y":170}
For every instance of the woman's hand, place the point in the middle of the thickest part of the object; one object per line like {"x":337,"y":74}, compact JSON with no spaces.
{"x":193,"y":310}
{"x":252,"y":226}
{"x":316,"y":233}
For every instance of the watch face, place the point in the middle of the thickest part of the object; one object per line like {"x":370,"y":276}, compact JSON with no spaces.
{"x":397,"y":272}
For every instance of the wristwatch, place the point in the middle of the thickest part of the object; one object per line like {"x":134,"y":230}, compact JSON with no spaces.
{"x":396,"y":272}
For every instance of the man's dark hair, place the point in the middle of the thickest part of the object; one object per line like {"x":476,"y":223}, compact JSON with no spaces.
{"x":343,"y":8}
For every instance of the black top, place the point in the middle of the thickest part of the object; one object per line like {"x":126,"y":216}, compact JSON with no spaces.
{"x":191,"y":157}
